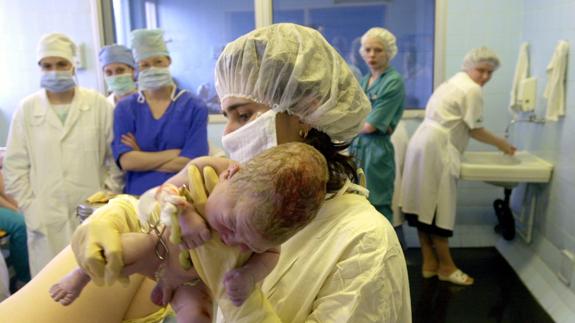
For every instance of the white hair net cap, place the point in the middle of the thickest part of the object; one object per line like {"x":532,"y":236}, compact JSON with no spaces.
{"x":480,"y":55}
{"x":384,"y":36}
{"x":56,"y":45}
{"x":294,"y":69}
{"x":148,"y":43}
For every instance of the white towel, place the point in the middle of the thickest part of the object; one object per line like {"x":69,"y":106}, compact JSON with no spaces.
{"x":555,"y":88}
{"x":521,"y":73}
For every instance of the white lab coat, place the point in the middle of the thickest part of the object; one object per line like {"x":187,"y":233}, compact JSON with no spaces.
{"x":50,"y":168}
{"x":345,"y":266}
{"x":433,"y":154}
{"x":399,"y":139}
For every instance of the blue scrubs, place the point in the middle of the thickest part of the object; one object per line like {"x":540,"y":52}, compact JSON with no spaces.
{"x":374,"y":151}
{"x":183,"y":126}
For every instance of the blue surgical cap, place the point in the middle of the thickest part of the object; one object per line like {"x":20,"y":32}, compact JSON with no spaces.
{"x":116,"y":54}
{"x":148,"y":43}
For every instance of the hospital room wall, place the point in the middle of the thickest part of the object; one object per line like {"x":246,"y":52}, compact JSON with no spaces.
{"x":22,"y":23}
{"x":544,"y":24}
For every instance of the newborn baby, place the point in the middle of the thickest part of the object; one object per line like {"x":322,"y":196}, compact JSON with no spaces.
{"x":256,"y":207}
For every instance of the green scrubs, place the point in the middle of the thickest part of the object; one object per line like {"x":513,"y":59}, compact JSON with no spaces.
{"x":374,"y":151}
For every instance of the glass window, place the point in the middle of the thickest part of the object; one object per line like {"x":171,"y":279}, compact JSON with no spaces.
{"x":197,"y":32}
{"x":343,"y":24}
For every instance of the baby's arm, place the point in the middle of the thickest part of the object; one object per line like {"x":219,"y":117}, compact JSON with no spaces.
{"x":202,"y":177}
{"x":240,"y":282}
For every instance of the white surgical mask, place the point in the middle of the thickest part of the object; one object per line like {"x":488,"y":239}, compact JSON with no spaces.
{"x":154,"y":78}
{"x":121,"y":84}
{"x":253,"y":138}
{"x":57,"y":81}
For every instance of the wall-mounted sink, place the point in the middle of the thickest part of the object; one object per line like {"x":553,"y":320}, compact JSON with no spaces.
{"x":506,"y":171}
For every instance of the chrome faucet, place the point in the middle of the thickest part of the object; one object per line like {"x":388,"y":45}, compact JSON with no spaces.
{"x":532,"y":119}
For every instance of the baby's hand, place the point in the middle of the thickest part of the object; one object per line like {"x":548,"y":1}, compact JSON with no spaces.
{"x":194,"y":229}
{"x":239,"y":284}
{"x":170,"y":194}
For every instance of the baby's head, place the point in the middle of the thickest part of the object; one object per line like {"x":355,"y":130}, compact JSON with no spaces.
{"x":270,"y":198}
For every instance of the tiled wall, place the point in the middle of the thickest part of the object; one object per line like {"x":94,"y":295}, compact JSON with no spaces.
{"x":544,"y":23}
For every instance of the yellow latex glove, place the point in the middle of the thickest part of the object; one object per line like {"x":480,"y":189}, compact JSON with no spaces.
{"x":97,"y":245}
{"x":100,"y":197}
{"x":196,"y":195}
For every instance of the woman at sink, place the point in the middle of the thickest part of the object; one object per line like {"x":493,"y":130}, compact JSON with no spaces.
{"x":453,"y":114}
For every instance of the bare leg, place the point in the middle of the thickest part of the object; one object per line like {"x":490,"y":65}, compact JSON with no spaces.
{"x":446,"y":264}
{"x":138,"y":257}
{"x":32,"y":303}
{"x":171,"y":277}
{"x":192,"y":304}
{"x":427,"y":252}
{"x":69,"y":288}
{"x":139,"y":254}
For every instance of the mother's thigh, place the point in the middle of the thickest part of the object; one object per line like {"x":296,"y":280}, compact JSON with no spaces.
{"x":96,"y":304}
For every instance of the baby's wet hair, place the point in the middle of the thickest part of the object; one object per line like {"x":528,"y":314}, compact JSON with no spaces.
{"x":281,"y":189}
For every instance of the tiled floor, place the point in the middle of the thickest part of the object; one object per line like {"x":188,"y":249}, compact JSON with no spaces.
{"x":497,"y":295}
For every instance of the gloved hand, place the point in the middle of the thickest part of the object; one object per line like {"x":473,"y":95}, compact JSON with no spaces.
{"x":172,"y":202}
{"x":96,"y":243}
{"x":197,"y":195}
{"x":191,"y":230}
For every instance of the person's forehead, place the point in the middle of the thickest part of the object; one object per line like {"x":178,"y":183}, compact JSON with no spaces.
{"x":113,"y":66}
{"x":234,"y":100}
{"x":230,"y":103}
{"x":54,"y":60}
{"x":152,"y":59}
{"x":485,"y":66}
{"x":372,"y":42}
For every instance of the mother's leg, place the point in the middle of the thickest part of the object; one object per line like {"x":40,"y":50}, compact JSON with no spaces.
{"x":96,"y":304}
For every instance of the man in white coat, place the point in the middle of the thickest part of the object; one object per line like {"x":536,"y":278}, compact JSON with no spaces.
{"x":58,"y":151}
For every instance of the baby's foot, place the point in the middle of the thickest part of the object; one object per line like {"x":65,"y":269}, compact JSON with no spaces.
{"x":239,"y":284}
{"x":69,"y":287}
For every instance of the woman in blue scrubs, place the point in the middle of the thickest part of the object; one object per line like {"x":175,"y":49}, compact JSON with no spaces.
{"x":160,"y":128}
{"x":373,"y":149}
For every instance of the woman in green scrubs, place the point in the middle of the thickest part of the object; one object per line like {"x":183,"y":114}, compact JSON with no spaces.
{"x":384,"y":87}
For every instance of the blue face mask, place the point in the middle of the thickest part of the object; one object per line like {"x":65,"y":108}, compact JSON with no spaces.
{"x":154,"y":78}
{"x":57,"y":81}
{"x":121,"y":84}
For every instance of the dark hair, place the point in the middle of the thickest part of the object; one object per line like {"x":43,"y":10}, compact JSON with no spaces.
{"x":340,"y":167}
